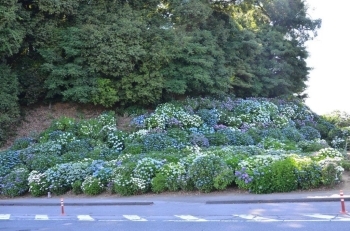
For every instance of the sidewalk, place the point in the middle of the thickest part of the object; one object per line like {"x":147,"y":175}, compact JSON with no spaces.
{"x":210,"y":198}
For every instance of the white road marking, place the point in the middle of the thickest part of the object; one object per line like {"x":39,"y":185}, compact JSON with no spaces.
{"x":134,"y":218}
{"x":85,"y":218}
{"x":5,"y":216}
{"x":255,"y":218}
{"x":190,"y":218}
{"x":321,"y":216}
{"x":41,"y":217}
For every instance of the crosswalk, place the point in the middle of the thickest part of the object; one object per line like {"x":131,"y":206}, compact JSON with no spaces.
{"x":184,"y":218}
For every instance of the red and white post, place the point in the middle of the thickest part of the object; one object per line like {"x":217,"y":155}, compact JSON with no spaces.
{"x":342,"y":202}
{"x":62,"y":207}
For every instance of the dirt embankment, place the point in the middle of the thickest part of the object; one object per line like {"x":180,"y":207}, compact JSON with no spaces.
{"x":37,"y":118}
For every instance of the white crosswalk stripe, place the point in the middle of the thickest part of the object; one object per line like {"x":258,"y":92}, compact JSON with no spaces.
{"x":254,"y":217}
{"x":85,"y":218}
{"x":134,"y":218}
{"x":190,"y":218}
{"x":5,"y":216}
{"x":41,"y":217}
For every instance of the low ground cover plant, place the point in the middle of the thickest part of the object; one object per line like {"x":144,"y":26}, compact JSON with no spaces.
{"x":256,"y":144}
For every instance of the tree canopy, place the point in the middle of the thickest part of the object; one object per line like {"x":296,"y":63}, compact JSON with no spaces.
{"x":109,"y":52}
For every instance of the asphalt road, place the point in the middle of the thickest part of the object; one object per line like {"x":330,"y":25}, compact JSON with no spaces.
{"x":167,"y":216}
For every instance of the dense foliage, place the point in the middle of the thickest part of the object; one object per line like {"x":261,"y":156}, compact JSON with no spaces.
{"x":256,"y":144}
{"x":147,"y":51}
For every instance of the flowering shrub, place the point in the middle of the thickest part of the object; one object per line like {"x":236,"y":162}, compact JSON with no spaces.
{"x":328,"y":153}
{"x":40,"y":157}
{"x":168,"y":177}
{"x":38,"y":184}
{"x":89,"y":129}
{"x":338,"y":142}
{"x":280,"y":120}
{"x":50,"y":148}
{"x":217,"y":139}
{"x":138,"y":121}
{"x":105,"y":175}
{"x":115,"y":138}
{"x":64,"y":123}
{"x":15,"y":183}
{"x":271,"y":133}
{"x":79,"y":146}
{"x":331,"y":172}
{"x":210,"y":172}
{"x":210,"y":117}
{"x":63,"y":138}
{"x":308,"y":172}
{"x":292,"y":134}
{"x":199,"y":139}
{"x":236,"y":137}
{"x":57,"y":180}
{"x":310,"y":133}
{"x":271,"y":143}
{"x":180,"y":135}
{"x":22,"y":143}
{"x":92,"y":186}
{"x":144,"y":171}
{"x":158,"y":142}
{"x":124,"y":183}
{"x":258,"y":169}
{"x":229,"y":119}
{"x":166,"y":114}
{"x":312,"y":145}
{"x":166,"y":153}
{"x":8,"y":160}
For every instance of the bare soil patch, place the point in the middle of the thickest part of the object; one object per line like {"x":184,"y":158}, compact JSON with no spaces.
{"x":37,"y":118}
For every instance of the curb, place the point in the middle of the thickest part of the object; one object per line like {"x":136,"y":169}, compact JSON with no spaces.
{"x":74,"y":203}
{"x":291,"y":200}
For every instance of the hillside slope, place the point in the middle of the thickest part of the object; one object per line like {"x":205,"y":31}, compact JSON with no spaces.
{"x":37,"y":118}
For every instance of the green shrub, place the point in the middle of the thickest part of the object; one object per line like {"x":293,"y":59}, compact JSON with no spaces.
{"x":64,"y":123}
{"x":345,"y":164}
{"x":312,"y":145}
{"x":92,"y":186}
{"x":308,"y":173}
{"x":272,"y":143}
{"x":22,"y":143}
{"x":40,"y":162}
{"x":15,"y":183}
{"x":329,"y":175}
{"x":159,"y":183}
{"x":283,"y":176}
{"x":180,"y":135}
{"x":209,"y":169}
{"x":233,"y":159}
{"x":262,"y":181}
{"x":217,"y":139}
{"x":76,"y":187}
{"x":172,"y":172}
{"x":237,"y":137}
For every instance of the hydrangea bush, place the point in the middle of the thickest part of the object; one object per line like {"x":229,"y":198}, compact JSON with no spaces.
{"x":262,"y":145}
{"x":15,"y":183}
